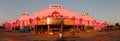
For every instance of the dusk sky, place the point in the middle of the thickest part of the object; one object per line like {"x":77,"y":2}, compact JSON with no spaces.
{"x":108,"y":10}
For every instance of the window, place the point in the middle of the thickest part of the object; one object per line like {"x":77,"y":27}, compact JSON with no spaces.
{"x":23,"y":22}
{"x":88,"y":22}
{"x":80,"y":21}
{"x":30,"y":21}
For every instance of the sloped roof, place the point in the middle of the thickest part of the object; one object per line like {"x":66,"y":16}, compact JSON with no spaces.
{"x":87,"y":17}
{"x":47,"y":12}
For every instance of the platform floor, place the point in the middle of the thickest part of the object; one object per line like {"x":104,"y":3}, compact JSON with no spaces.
{"x":83,"y":36}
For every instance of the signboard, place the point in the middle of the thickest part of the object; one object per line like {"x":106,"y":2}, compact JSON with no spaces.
{"x":55,"y":21}
{"x":42,"y":22}
{"x":68,"y":22}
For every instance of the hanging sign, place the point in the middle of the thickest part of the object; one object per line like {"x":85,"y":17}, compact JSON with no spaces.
{"x":42,"y":22}
{"x":68,"y":22}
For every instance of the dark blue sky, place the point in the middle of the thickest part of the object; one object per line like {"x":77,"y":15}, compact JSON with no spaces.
{"x":108,"y":10}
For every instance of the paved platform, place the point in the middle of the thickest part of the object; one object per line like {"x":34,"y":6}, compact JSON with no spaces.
{"x":83,"y":36}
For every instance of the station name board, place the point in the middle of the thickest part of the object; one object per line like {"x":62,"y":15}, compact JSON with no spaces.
{"x":55,"y":21}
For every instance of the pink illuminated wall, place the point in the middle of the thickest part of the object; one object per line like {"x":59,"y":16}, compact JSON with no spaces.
{"x":80,"y":20}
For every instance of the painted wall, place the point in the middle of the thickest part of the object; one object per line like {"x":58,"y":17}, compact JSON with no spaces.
{"x":30,"y":20}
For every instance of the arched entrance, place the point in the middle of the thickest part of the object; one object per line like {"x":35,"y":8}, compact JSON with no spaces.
{"x":81,"y":28}
{"x":55,"y":28}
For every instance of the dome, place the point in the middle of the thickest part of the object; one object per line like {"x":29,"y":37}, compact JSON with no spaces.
{"x":25,"y":13}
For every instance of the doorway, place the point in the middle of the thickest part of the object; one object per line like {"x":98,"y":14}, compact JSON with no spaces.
{"x":81,"y":28}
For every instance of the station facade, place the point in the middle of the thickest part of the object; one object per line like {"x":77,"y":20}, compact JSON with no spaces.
{"x":56,"y":18}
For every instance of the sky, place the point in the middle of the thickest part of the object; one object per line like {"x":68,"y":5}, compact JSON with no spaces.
{"x":104,"y":10}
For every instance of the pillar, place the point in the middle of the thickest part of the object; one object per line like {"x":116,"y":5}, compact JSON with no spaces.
{"x":73,"y":29}
{"x":77,"y":28}
{"x":61,"y":29}
{"x":48,"y":28}
{"x":36,"y":30}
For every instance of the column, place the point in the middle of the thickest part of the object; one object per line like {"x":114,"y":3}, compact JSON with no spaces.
{"x":77,"y":28}
{"x":36,"y":29}
{"x":48,"y":28}
{"x":73,"y":29}
{"x":61,"y":29}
